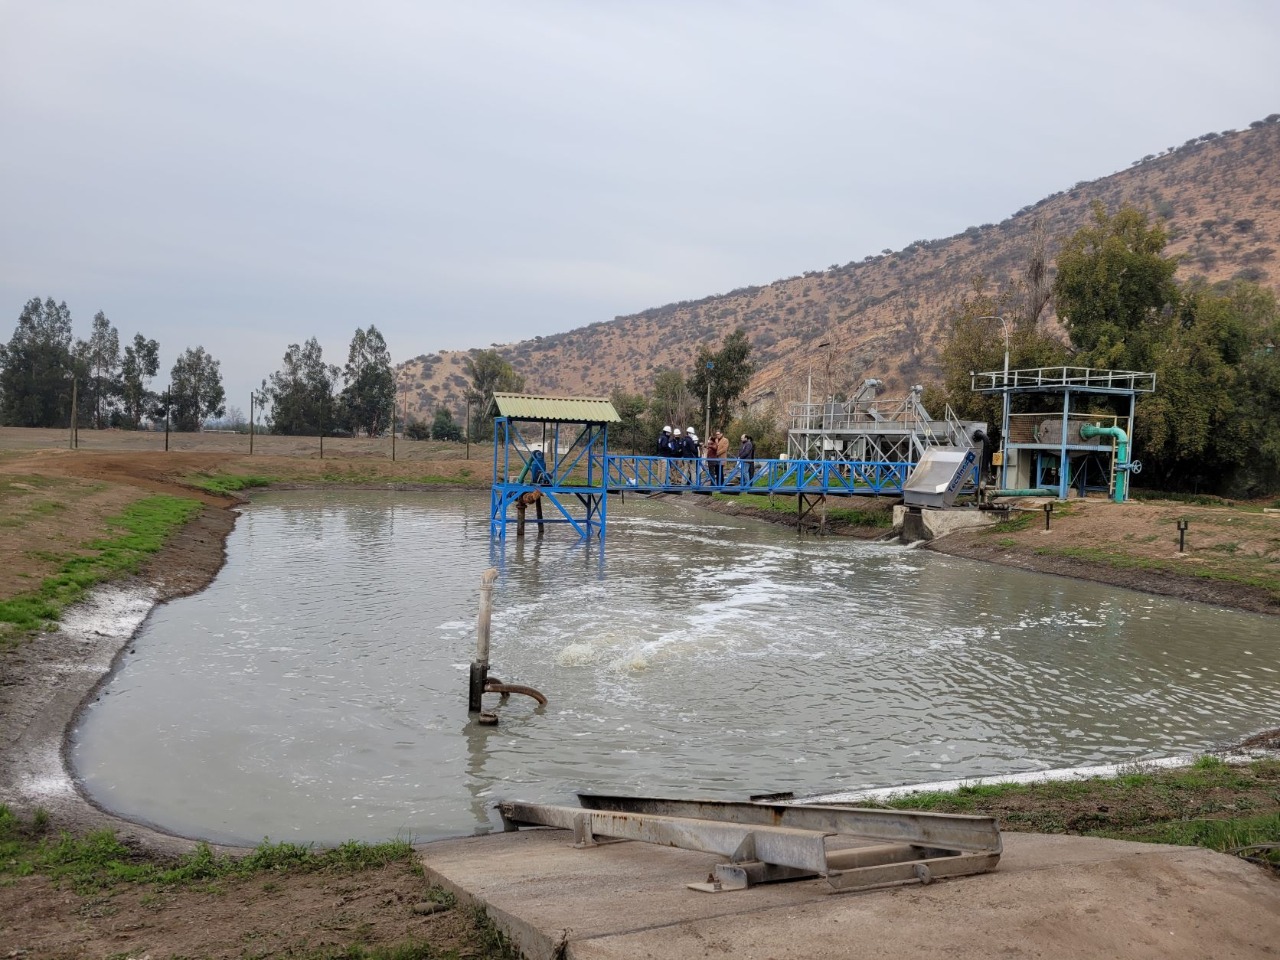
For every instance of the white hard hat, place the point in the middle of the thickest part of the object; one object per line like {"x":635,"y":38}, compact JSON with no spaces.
{"x":666,"y":429}
{"x":677,"y":431}
{"x":690,"y":430}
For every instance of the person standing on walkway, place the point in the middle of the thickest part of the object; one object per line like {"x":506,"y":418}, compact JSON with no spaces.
{"x":721,"y":453}
{"x":664,"y":442}
{"x":747,"y":454}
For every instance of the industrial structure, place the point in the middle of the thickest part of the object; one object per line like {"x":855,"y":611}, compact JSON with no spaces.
{"x":556,"y":449}
{"x":1064,"y":438}
{"x":873,"y":428}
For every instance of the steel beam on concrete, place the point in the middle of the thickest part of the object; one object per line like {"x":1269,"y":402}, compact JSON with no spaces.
{"x":771,"y":842}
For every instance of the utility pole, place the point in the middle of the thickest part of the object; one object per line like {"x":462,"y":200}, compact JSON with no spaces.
{"x":251,"y":399}
{"x":393,"y":427}
{"x":468,"y":428}
{"x":706,"y":430}
{"x":71,"y":431}
{"x":168,"y":401}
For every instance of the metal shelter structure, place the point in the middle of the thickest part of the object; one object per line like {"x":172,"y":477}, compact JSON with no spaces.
{"x":1067,"y":444}
{"x":551,"y":448}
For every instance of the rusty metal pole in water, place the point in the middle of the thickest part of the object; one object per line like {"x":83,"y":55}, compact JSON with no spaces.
{"x":480,"y":666}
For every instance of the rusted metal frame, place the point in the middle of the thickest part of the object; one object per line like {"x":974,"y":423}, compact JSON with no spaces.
{"x":784,"y":846}
{"x":949,"y":831}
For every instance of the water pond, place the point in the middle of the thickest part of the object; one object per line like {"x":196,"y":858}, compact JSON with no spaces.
{"x":317,"y":690}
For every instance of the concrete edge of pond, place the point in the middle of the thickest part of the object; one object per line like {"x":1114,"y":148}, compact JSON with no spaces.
{"x":1033,"y":776}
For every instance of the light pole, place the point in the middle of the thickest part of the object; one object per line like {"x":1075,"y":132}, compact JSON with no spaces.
{"x":1004,"y":416}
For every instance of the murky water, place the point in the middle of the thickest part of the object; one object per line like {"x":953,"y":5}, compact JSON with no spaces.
{"x":317,"y":690}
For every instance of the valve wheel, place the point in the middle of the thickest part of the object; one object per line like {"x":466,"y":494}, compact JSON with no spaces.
{"x":1135,"y":466}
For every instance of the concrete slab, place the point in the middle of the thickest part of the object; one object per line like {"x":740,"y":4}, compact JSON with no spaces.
{"x":1052,"y":896}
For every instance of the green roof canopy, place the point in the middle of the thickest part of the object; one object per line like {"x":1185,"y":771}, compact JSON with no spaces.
{"x":519,"y":406}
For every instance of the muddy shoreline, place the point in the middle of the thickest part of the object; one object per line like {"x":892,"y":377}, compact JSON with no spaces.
{"x":48,"y":679}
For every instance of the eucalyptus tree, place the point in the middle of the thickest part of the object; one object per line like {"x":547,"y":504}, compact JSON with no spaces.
{"x":38,"y":367}
{"x":302,"y":391}
{"x":370,"y":391}
{"x":101,"y":358}
{"x":196,"y":389}
{"x":141,"y":362}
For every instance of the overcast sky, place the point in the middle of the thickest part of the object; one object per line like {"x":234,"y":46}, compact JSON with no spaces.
{"x":244,"y":174}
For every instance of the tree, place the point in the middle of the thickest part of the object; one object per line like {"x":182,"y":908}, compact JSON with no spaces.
{"x":1113,"y":287}
{"x":730,"y":377}
{"x":444,"y":427}
{"x":631,"y":408}
{"x":371,"y":387}
{"x":671,"y":404}
{"x":1213,"y":422}
{"x":37,"y":367}
{"x":415,"y":429}
{"x":489,"y":374}
{"x":141,"y":363}
{"x":195,"y":389}
{"x":101,"y":356}
{"x":301,"y":393}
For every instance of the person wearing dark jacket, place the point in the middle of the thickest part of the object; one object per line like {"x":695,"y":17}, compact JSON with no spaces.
{"x":747,"y":454}
{"x":664,"y":442}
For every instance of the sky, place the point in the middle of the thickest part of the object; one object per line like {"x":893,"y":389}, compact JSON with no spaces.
{"x":246,"y":174}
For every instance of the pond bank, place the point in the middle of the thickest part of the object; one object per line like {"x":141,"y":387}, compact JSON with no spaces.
{"x":1232,"y":555}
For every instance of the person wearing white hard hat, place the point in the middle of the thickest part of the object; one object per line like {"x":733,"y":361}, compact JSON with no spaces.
{"x":664,"y":442}
{"x":676,"y":472}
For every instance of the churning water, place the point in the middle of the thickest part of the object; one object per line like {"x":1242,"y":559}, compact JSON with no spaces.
{"x":317,"y":691}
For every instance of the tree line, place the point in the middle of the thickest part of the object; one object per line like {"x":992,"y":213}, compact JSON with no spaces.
{"x":43,"y":366}
{"x":1213,"y":423}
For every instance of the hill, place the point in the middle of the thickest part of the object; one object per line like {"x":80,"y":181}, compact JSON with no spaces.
{"x":887,"y":315}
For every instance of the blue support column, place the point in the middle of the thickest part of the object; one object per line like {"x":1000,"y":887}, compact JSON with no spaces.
{"x":1062,"y":455}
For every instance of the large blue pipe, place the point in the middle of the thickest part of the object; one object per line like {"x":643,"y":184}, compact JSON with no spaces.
{"x":1091,"y":430}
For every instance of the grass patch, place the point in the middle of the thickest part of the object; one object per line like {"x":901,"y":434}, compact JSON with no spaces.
{"x":224,"y":483}
{"x":140,"y":531}
{"x":1210,"y":803}
{"x":100,"y":860}
{"x":852,"y":516}
{"x":1198,"y":499}
{"x":1020,"y":520}
{"x":1261,"y":578}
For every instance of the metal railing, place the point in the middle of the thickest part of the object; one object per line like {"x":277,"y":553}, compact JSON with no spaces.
{"x":1057,"y":378}
{"x":838,"y":477}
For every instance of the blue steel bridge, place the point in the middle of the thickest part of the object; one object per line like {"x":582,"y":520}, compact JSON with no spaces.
{"x":579,"y":500}
{"x":553,"y":452}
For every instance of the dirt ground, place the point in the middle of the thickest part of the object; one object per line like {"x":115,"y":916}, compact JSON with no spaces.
{"x":1231,"y":556}
{"x":57,"y":498}
{"x":307,"y":915}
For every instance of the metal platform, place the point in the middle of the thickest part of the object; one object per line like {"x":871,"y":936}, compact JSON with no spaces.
{"x":768,"y":842}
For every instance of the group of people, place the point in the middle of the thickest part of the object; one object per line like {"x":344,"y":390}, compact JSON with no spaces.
{"x":677,"y":445}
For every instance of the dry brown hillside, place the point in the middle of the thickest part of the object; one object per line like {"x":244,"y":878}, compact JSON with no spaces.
{"x":887,"y":316}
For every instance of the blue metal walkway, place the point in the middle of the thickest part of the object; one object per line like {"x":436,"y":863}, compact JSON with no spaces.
{"x":825,"y":477}
{"x":596,"y":475}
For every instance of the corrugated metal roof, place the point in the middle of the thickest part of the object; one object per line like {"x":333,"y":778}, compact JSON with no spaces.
{"x":520,"y":406}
